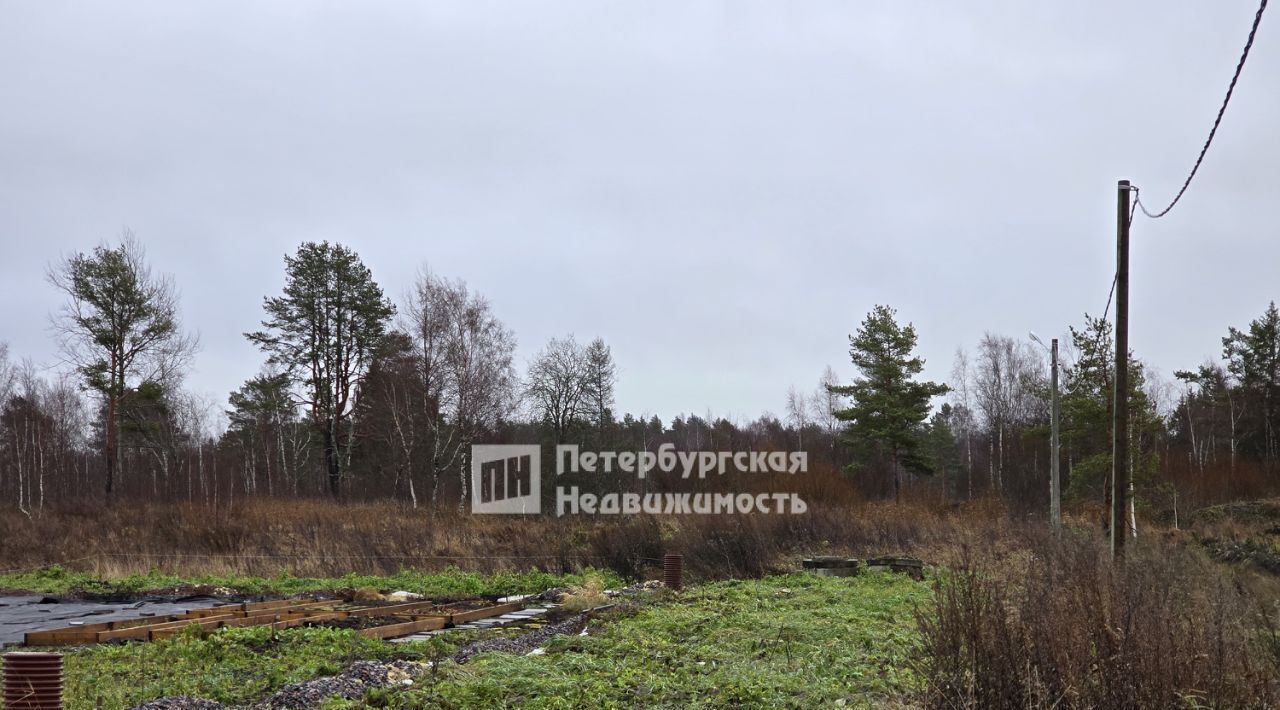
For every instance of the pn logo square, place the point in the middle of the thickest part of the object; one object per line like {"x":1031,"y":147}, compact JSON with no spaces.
{"x":506,"y":478}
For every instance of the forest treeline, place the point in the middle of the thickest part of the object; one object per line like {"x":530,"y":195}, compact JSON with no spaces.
{"x":362,"y":397}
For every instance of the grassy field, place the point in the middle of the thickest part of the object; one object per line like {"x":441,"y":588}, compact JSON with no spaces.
{"x":233,"y":666}
{"x":1020,"y":617}
{"x":784,"y":641}
{"x":450,"y":583}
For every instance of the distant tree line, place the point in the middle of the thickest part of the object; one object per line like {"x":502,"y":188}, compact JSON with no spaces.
{"x":361,"y":397}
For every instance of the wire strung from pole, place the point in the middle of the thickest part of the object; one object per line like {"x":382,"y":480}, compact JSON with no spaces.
{"x":1102,"y":320}
{"x":1257,"y":19}
{"x":1107,"y":308}
{"x":1114,"y":277}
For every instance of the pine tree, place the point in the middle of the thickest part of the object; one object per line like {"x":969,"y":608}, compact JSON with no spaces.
{"x":1087,"y":403}
{"x":1253,"y":357}
{"x":601,"y":376}
{"x":888,"y":409}
{"x":942,"y":450}
{"x":324,"y":331}
{"x":119,"y":326}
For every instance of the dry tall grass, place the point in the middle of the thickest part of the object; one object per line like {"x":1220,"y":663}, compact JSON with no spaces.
{"x":1064,"y":627}
{"x":316,"y":537}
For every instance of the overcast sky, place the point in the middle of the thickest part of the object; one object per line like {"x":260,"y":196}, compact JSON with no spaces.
{"x":722,"y":190}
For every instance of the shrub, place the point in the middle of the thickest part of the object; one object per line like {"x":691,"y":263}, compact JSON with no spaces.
{"x":587,"y":596}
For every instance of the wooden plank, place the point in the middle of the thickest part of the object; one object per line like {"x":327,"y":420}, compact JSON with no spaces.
{"x":51,"y":637}
{"x":182,"y":623}
{"x":311,"y":619}
{"x":291,"y":608}
{"x":144,"y":632}
{"x":59,"y":637}
{"x":304,"y":616}
{"x":465,"y":616}
{"x":282,"y":603}
{"x":142,"y":628}
{"x":218,"y":610}
{"x":392,"y":609}
{"x":430,"y":623}
{"x":164,"y":631}
{"x":280,"y":621}
{"x":260,"y":608}
{"x":205,"y":625}
{"x":257,"y":606}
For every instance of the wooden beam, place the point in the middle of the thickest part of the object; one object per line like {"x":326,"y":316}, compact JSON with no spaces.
{"x":485,"y":613}
{"x":144,"y":632}
{"x":280,"y":621}
{"x":393,"y":609}
{"x":283,"y":609}
{"x":404,"y":629}
{"x":52,"y":637}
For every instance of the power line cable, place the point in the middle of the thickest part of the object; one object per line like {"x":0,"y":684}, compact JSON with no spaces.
{"x":1112,"y":292}
{"x":1257,"y":19}
{"x":1132,"y":210}
{"x":1114,"y":277}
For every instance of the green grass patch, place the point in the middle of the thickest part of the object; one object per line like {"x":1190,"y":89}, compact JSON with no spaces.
{"x":789,"y":641}
{"x":233,"y":666}
{"x":451,"y":582}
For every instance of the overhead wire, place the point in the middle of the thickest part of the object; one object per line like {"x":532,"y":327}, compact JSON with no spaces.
{"x":1248,"y":45}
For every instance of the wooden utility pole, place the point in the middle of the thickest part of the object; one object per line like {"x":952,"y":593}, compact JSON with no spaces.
{"x":1120,"y":412}
{"x":1055,"y":484}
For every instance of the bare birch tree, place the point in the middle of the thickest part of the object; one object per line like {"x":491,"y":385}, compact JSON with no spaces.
{"x":464,"y":357}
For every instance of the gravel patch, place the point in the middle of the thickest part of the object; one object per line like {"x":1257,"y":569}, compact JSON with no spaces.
{"x":523,"y":643}
{"x":181,"y":702}
{"x":351,"y":684}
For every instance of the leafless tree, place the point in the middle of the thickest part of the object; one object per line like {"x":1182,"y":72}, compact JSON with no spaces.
{"x":6,"y":374}
{"x":825,"y":403}
{"x":963,"y":424}
{"x":1004,"y":381}
{"x":558,"y":385}
{"x":464,"y":358}
{"x":798,"y":411}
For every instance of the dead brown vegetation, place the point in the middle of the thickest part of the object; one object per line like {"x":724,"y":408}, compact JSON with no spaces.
{"x":317,"y":537}
{"x":1059,"y":625}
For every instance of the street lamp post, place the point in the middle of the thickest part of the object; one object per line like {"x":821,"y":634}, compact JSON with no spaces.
{"x":1055,"y":486}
